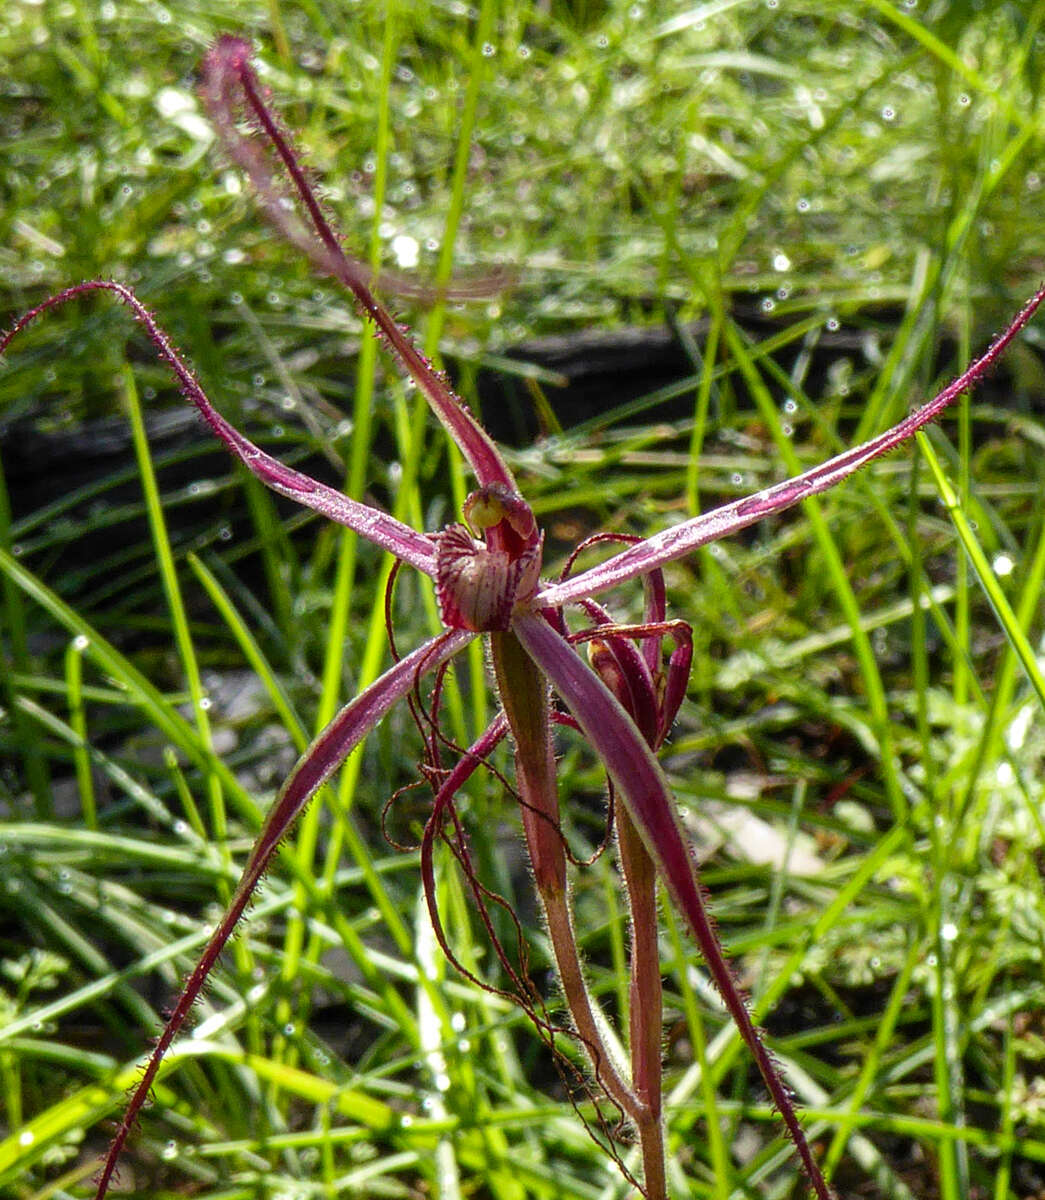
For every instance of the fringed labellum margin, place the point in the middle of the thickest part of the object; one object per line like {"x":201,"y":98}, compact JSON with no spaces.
{"x":479,"y":583}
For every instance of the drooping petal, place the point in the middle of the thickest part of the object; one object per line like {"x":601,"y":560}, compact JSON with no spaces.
{"x":729,"y":518}
{"x":459,"y":775}
{"x":315,"y":767}
{"x":223,"y":93}
{"x":644,"y":790}
{"x":378,"y":527}
{"x":229,"y":63}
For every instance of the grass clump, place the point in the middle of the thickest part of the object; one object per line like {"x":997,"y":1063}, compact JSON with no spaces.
{"x":861,"y":746}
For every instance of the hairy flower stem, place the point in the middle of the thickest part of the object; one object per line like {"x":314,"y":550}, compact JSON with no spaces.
{"x":524,"y":694}
{"x":647,"y":1008}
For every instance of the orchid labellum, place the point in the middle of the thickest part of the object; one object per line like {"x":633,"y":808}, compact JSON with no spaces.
{"x":615,"y":683}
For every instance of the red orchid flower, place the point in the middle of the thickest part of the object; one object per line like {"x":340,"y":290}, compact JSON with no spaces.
{"x":622,"y":696}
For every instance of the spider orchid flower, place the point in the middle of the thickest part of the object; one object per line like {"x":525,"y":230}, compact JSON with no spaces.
{"x":620,"y":693}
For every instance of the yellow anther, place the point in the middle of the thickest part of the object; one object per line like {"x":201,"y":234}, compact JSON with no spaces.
{"x":483,"y":510}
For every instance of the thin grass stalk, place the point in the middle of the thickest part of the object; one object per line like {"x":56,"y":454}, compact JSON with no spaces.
{"x":712,"y":1118}
{"x":919,"y":31}
{"x":702,"y":403}
{"x":847,"y":1120}
{"x":78,"y":723}
{"x":990,"y":746}
{"x":726,"y":1052}
{"x":843,"y":589}
{"x":1011,"y":626}
{"x":36,"y":772}
{"x":1007,"y":1122}
{"x":911,"y":338}
{"x":176,"y":605}
{"x":251,"y":651}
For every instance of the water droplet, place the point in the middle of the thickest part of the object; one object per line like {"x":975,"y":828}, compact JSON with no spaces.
{"x":458,"y":1021}
{"x":488,"y":50}
{"x":833,"y":324}
{"x":289,"y":1029}
{"x":802,"y":205}
{"x":523,"y":51}
{"x":964,"y":100}
{"x":768,"y":304}
{"x":81,"y":642}
{"x":888,"y":113}
{"x":1003,"y":565}
{"x":738,"y":479}
{"x":790,"y":406}
{"x":205,"y":703}
{"x":949,"y":931}
{"x":406,"y":250}
{"x":26,"y":1137}
{"x":170,"y":1151}
{"x":781,"y":262}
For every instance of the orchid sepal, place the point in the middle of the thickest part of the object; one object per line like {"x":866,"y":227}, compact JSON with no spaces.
{"x":674,"y":543}
{"x":322,"y":758}
{"x":385,"y":531}
{"x":228,"y":65}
